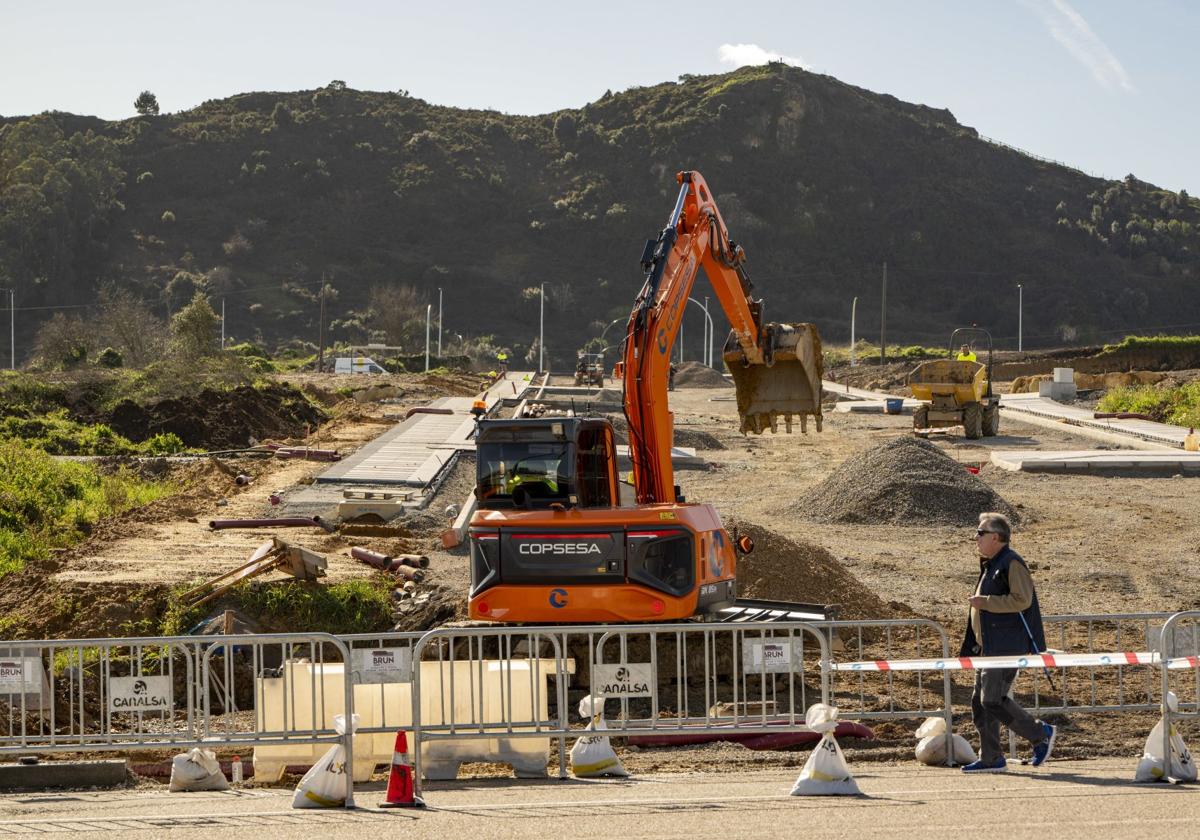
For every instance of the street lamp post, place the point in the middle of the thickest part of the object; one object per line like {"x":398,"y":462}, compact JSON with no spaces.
{"x":853,"y":315}
{"x":1020,"y":318}
{"x":708,"y":328}
{"x":439,"y":322}
{"x":12,"y":328}
{"x":428,"y":319}
{"x":542,"y":331}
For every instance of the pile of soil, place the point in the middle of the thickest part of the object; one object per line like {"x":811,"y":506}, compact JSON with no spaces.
{"x":696,"y":375}
{"x":219,"y":419}
{"x":907,"y":481}
{"x":780,"y":569}
{"x":684,"y":436}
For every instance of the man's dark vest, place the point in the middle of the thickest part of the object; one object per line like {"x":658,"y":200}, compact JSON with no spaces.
{"x":1004,"y":633}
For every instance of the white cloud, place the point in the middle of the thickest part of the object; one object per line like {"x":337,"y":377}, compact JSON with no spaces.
{"x":1069,"y":28}
{"x":741,"y":55}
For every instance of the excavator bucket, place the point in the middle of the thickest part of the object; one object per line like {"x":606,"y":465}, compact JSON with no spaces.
{"x":787,"y":384}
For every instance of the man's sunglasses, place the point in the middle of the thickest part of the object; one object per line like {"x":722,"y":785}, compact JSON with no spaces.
{"x":981,"y":532}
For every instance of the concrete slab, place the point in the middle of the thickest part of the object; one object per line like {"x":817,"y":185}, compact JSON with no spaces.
{"x":861,"y":406}
{"x":1097,"y":460}
{"x":1037,"y":406}
{"x":64,"y":774}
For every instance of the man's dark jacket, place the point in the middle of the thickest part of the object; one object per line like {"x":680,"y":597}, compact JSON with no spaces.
{"x":1004,"y":633}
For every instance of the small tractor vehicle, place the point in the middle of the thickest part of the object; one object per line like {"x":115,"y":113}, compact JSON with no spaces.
{"x":957,"y":392}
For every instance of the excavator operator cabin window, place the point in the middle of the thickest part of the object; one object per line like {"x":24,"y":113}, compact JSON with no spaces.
{"x":592,"y":475}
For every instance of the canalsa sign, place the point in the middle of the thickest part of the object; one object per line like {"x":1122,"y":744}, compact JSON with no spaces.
{"x":139,"y":694}
{"x":627,"y":680}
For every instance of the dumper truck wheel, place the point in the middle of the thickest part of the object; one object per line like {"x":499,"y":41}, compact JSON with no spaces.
{"x":921,"y":417}
{"x":991,"y":421}
{"x":973,"y":420}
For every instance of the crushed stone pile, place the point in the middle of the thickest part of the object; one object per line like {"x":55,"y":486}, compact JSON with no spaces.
{"x":907,"y":481}
{"x":696,"y":375}
{"x":781,"y":569}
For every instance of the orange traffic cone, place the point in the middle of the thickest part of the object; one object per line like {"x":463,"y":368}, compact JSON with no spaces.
{"x":400,"y":783}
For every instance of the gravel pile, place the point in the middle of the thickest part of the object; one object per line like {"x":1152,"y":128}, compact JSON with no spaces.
{"x":907,"y":481}
{"x":780,"y":569}
{"x":696,"y":375}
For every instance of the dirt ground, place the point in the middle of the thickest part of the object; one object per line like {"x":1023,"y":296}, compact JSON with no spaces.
{"x":1095,"y":544}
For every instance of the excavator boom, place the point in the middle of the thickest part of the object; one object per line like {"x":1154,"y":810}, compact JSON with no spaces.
{"x":776,"y":367}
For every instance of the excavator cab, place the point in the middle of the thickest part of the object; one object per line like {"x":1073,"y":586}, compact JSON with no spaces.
{"x":537,"y":463}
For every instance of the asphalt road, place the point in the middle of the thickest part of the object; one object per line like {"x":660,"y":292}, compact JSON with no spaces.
{"x":1070,"y":799}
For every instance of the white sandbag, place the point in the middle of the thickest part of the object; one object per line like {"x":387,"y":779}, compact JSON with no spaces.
{"x":324,"y":785}
{"x":196,"y":769}
{"x":1182,"y":766}
{"x":593,"y":755}
{"x":931,"y":749}
{"x":826,"y":772}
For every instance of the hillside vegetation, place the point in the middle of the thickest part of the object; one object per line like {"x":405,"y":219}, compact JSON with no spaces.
{"x":264,"y":199}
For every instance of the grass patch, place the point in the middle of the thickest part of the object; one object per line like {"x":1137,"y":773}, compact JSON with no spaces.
{"x":56,"y":434}
{"x":1179,"y":406}
{"x":46,"y":504}
{"x":867,"y":353}
{"x":1154,"y":342}
{"x":354,"y":606}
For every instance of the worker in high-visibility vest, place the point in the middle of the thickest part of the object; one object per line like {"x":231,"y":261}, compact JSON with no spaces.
{"x":502,"y":358}
{"x":966,"y":354}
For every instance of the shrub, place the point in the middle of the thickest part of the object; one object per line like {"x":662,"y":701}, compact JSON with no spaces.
{"x":110,"y":358}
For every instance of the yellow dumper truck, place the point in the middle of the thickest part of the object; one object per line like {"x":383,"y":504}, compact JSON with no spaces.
{"x":957,"y":391}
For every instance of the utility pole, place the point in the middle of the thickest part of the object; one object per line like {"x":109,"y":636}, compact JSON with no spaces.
{"x":222,"y":323}
{"x":708,"y":331}
{"x":883,"y":320}
{"x":542,"y":331}
{"x":439,"y":323}
{"x":12,"y":328}
{"x":853,"y":315}
{"x":321,"y":329}
{"x":1020,"y":318}
{"x":428,"y":318}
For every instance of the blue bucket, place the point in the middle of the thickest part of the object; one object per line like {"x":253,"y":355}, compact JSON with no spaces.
{"x":893,"y":406}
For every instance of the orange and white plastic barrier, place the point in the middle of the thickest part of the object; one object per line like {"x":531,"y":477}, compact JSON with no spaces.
{"x":1031,"y":660}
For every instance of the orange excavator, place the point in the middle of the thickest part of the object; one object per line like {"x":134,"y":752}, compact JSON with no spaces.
{"x":551,"y":541}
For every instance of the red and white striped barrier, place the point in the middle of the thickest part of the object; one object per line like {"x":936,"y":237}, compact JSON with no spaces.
{"x":1039,"y":660}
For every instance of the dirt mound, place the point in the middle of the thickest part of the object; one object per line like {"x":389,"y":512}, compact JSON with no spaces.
{"x":216,"y":419}
{"x":907,"y":481}
{"x":696,"y":375}
{"x":696,"y":439}
{"x":780,"y":569}
{"x":684,"y":436}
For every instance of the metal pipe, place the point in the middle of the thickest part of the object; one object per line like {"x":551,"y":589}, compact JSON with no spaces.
{"x":416,"y":560}
{"x":409,"y":573}
{"x":283,"y":522}
{"x":308,"y":454}
{"x":380,"y":561}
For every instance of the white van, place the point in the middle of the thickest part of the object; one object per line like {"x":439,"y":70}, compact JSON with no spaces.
{"x":356,"y":364}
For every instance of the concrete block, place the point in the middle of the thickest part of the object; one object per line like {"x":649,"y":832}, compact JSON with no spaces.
{"x":64,"y":774}
{"x":1063,"y":375}
{"x":1057,"y":391}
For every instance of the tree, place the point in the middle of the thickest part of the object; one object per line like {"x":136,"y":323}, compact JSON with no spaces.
{"x":127,"y":324}
{"x":194,"y":329}
{"x":146,"y":104}
{"x":65,"y":341}
{"x":398,"y":312}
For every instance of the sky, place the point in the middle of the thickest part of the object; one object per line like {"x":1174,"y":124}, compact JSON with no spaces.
{"x":1108,"y":87}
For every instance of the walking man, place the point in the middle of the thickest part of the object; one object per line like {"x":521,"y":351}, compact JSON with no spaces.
{"x":1005,"y":620}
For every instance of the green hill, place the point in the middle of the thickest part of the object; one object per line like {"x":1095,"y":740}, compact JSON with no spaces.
{"x":256,"y":198}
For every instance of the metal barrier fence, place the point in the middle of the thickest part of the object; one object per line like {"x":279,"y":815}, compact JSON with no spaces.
{"x":505,"y":693}
{"x":84,"y":695}
{"x":1180,"y":639}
